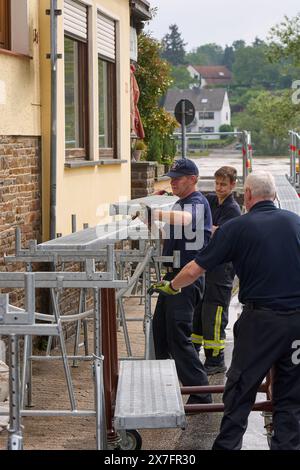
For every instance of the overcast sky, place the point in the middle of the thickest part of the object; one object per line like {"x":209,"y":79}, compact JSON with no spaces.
{"x":220,"y":21}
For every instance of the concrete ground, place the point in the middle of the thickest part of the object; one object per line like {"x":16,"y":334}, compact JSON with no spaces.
{"x":202,"y":428}
{"x":67,"y":433}
{"x":49,"y":390}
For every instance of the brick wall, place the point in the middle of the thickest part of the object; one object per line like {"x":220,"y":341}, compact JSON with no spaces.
{"x":142,"y":179}
{"x":20,"y":198}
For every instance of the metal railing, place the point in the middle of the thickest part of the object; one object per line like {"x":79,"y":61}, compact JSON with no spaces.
{"x":244,"y":136}
{"x":294,"y":151}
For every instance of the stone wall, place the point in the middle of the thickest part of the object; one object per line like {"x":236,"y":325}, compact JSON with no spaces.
{"x":20,"y":198}
{"x":142,"y":179}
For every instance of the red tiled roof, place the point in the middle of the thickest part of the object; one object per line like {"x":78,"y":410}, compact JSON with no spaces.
{"x":218,"y":81}
{"x":219,"y":72}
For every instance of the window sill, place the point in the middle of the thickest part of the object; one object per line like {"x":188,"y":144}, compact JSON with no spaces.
{"x":92,"y":163}
{"x":15,"y":54}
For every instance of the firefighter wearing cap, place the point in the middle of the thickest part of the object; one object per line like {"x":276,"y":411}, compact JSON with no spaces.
{"x":211,"y":315}
{"x":173,"y":316}
{"x":264,"y":247}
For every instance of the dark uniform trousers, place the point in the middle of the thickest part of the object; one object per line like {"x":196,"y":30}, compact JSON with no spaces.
{"x":263,"y":338}
{"x":172,"y":328}
{"x":211,"y":314}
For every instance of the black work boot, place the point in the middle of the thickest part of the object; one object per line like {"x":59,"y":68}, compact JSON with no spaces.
{"x":214,"y":364}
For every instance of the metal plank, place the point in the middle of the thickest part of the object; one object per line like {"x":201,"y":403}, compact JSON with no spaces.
{"x":37,"y":329}
{"x":148,"y":396}
{"x":152,"y":202}
{"x":97,"y":237}
{"x":286,"y":194}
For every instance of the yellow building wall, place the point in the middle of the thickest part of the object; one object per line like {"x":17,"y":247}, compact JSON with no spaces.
{"x":86,"y":192}
{"x":19,"y":86}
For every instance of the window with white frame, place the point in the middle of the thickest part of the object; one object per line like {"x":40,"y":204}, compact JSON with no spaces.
{"x":206,"y":115}
{"x":206,"y":129}
{"x":76,"y":79}
{"x":14,"y":26}
{"x":107,"y":124}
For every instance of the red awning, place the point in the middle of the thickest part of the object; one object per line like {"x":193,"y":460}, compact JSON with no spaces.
{"x":136,"y":122}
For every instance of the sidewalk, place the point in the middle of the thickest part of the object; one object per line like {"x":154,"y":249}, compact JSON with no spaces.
{"x":68,"y":433}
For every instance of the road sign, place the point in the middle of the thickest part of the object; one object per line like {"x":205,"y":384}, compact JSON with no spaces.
{"x":186,"y":109}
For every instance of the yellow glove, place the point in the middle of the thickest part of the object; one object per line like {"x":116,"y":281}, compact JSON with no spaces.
{"x":163,"y":287}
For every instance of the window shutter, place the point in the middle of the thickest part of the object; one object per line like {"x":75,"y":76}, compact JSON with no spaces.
{"x":3,"y":24}
{"x":106,"y":37}
{"x":20,"y":26}
{"x":75,"y":19}
{"x":133,"y":44}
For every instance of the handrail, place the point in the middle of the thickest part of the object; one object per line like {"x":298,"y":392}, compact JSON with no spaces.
{"x":294,"y":150}
{"x":247,"y":150}
{"x":139,"y":270}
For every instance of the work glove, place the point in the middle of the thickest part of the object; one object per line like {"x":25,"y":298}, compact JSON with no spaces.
{"x":143,"y":213}
{"x":163,"y":287}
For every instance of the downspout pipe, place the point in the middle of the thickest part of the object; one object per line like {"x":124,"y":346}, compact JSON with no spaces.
{"x":53,"y":141}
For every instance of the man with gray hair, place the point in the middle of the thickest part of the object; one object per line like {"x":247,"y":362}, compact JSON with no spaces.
{"x":264,"y":247}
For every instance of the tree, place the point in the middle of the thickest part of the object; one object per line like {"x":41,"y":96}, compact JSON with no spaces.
{"x":258,"y":42}
{"x":238,"y":44}
{"x":182,"y":78}
{"x":229,"y":57}
{"x":208,"y":54}
{"x":285,"y":40}
{"x":253,"y":68}
{"x":154,"y":151}
{"x":225,"y":128}
{"x":269,"y":117}
{"x":173,"y":46}
{"x":154,"y":79}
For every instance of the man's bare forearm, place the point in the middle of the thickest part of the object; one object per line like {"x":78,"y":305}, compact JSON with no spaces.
{"x":173,"y":217}
{"x":187,"y":275}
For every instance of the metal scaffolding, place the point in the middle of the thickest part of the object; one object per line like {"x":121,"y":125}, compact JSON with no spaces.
{"x":87,"y":247}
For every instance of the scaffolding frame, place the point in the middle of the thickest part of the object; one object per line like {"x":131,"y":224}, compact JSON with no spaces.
{"x":87,"y":247}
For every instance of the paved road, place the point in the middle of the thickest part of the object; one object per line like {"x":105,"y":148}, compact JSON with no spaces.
{"x":254,"y":438}
{"x":202,"y":428}
{"x":208,"y":165}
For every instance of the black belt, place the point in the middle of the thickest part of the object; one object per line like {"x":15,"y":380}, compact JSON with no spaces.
{"x":257,"y":306}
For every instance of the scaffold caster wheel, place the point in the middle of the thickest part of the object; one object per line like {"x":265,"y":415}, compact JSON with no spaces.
{"x":130,"y":440}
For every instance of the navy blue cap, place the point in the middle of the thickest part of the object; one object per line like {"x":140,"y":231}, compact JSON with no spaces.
{"x":183,"y":167}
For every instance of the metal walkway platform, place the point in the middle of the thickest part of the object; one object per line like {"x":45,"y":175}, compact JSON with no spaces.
{"x":286,"y":194}
{"x":148,"y":396}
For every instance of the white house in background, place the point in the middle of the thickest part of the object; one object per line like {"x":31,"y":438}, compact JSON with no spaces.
{"x":211,"y":105}
{"x":210,"y":75}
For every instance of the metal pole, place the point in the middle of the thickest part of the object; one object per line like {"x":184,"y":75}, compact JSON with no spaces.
{"x":101,"y":436}
{"x":298,"y":150}
{"x":53,"y":143}
{"x":63,"y":350}
{"x":244,"y":156}
{"x":149,"y":344}
{"x":74,"y":223}
{"x":293,"y":174}
{"x":183,"y":129}
{"x":15,"y":439}
{"x":291,"y":157}
{"x":26,"y":383}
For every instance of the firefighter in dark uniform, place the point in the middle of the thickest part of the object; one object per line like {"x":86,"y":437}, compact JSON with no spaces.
{"x":211,"y":315}
{"x":264,"y":247}
{"x":187,"y":228}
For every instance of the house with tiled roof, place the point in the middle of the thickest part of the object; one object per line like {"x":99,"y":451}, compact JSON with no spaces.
{"x":211,"y":75}
{"x":211,"y":105}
